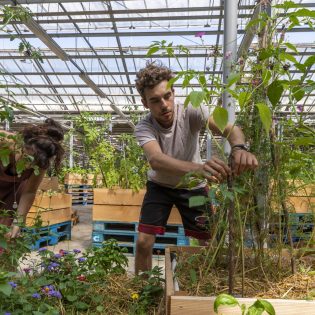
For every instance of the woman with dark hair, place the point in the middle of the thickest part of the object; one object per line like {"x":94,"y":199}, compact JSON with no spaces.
{"x":24,"y":159}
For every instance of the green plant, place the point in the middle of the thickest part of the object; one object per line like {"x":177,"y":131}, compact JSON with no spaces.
{"x":258,"y":308}
{"x":283,"y":143}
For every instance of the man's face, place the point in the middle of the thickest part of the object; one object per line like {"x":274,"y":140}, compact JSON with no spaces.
{"x":160,"y":101}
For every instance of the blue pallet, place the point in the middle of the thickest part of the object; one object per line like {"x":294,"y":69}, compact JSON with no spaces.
{"x":107,"y":226}
{"x":78,"y":186}
{"x":130,"y":239}
{"x":50,"y":235}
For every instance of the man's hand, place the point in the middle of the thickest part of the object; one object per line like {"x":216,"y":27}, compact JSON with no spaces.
{"x":215,"y":170}
{"x":243,"y":161}
{"x":14,"y":232}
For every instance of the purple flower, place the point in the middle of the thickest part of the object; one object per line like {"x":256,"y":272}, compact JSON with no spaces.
{"x":27,"y":270}
{"x":299,"y":108}
{"x":12,"y":284}
{"x":81,"y":259}
{"x":55,"y":294}
{"x":7,"y":313}
{"x":57,"y":256}
{"x":53,"y":266}
{"x":42,"y":249}
{"x":36,"y":296}
{"x":200,"y":34}
{"x":76,"y":251}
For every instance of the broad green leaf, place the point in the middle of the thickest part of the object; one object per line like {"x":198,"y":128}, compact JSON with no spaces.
{"x":274,"y":92}
{"x":3,"y":243}
{"x":253,"y":23}
{"x":193,"y":275}
{"x":171,"y":82}
{"x":291,"y":47}
{"x":224,"y":299}
{"x":100,"y":308}
{"x":6,"y":289}
{"x":71,"y":298}
{"x":266,"y":75}
{"x":187,"y":101}
{"x":305,"y":13}
{"x":265,"y":53}
{"x":196,"y":98}
{"x":298,"y":93}
{"x":197,"y":201}
{"x":305,"y":141}
{"x":286,"y":56}
{"x":261,"y":306}
{"x":202,"y":80}
{"x":243,"y":98}
{"x":233,"y":78}
{"x":287,"y":5}
{"x":265,"y":116}
{"x":301,"y":67}
{"x":81,"y":305}
{"x":220,"y":116}
{"x":153,"y":50}
{"x":309,"y":62}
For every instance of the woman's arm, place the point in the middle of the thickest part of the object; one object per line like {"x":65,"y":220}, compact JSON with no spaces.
{"x":26,"y":201}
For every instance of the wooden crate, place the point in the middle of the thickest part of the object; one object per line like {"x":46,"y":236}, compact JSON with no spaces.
{"x":49,"y":183}
{"x":78,"y":179}
{"x":49,"y":217}
{"x":46,"y":202}
{"x":122,"y":205}
{"x":179,"y":303}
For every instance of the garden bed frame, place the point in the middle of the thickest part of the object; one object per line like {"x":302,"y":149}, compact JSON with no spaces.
{"x":179,"y":303}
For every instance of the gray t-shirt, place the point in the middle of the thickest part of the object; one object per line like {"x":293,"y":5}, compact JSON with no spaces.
{"x":180,"y":141}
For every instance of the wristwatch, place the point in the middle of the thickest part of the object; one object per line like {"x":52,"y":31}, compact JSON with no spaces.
{"x":240,"y":147}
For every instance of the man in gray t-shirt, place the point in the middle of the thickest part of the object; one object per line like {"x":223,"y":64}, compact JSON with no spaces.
{"x":169,"y":137}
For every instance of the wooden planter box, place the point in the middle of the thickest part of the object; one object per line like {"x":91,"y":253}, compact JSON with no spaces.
{"x":52,"y":209}
{"x":78,"y":179}
{"x":49,"y":183}
{"x":122,"y":205}
{"x":49,"y":217}
{"x":46,"y":202}
{"x":179,"y":303}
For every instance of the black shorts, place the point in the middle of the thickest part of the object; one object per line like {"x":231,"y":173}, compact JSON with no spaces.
{"x":158,"y":203}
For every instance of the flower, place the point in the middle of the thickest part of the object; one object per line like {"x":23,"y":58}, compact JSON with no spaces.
{"x":57,"y":256}
{"x":12,"y":284}
{"x":7,"y":313}
{"x":43,"y":249}
{"x":81,"y":278}
{"x":299,"y":108}
{"x":76,"y":251}
{"x":53,"y":266}
{"x":135,"y":296}
{"x":200,"y":34}
{"x":81,"y":259}
{"x":36,"y":296}
{"x":63,"y":252}
{"x":55,"y":294}
{"x":27,"y":270}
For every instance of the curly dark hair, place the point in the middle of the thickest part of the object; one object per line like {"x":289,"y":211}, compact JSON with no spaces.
{"x":45,"y":141}
{"x":151,"y":75}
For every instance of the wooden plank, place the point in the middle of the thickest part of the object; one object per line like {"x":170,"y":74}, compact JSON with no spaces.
{"x":187,"y":305}
{"x":126,"y":214}
{"x":302,"y":204}
{"x":49,"y":217}
{"x":78,"y":179}
{"x":47,"y":202}
{"x":104,"y":196}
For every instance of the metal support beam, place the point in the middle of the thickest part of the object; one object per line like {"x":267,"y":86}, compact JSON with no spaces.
{"x":229,"y":57}
{"x":71,"y":139}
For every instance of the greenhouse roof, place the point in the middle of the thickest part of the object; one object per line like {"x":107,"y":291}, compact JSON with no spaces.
{"x":91,"y":51}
